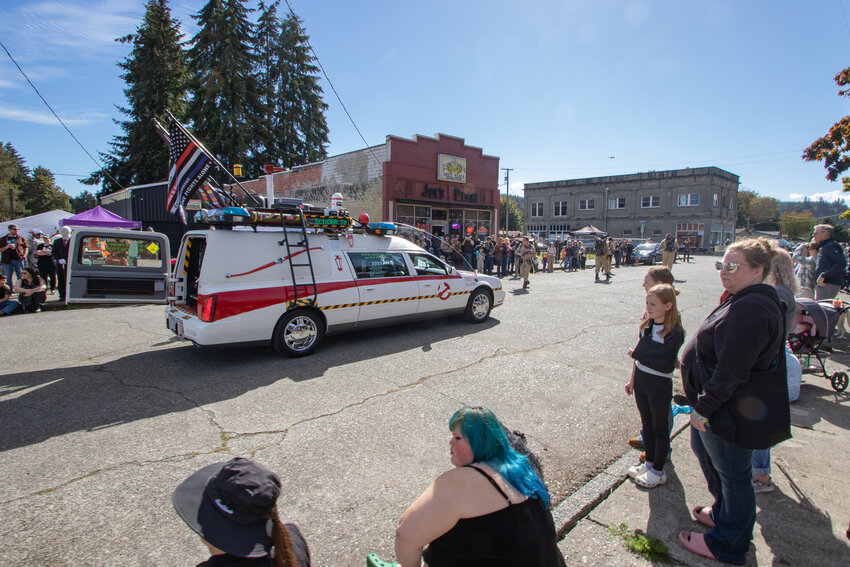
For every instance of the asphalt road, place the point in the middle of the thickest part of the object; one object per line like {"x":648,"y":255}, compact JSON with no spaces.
{"x":103,"y":412}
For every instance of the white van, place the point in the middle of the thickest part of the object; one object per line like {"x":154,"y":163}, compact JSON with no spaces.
{"x":245,"y":286}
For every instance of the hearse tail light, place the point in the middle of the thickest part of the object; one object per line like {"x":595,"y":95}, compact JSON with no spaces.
{"x":206,"y":308}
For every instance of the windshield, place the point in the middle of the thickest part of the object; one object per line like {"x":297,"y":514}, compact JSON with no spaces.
{"x":647,"y":247}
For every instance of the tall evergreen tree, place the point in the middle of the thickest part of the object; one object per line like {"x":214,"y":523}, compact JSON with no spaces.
{"x":156,"y":78}
{"x":223,"y":85}
{"x":41,"y":194}
{"x":83,"y":202}
{"x":13,"y":175}
{"x":301,"y":128}
{"x":267,"y":51}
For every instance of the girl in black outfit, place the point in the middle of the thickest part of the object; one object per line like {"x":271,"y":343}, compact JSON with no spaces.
{"x":31,"y":290}
{"x":661,"y":337}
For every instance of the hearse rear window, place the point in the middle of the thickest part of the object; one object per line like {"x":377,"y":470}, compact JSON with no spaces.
{"x":378,"y":264}
{"x":120,"y":252}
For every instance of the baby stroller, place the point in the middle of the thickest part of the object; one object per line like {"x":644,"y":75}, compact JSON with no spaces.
{"x":814,"y":325}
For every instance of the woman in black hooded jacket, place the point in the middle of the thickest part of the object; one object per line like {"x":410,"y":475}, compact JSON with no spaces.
{"x":734,"y":375}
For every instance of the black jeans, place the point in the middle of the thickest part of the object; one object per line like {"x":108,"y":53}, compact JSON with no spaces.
{"x":32,"y":303}
{"x":653,"y":395}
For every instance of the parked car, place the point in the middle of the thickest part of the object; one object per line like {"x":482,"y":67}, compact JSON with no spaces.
{"x":647,"y":253}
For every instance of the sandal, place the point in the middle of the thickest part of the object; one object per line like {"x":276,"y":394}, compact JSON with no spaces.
{"x":695,"y":543}
{"x":702,"y":514}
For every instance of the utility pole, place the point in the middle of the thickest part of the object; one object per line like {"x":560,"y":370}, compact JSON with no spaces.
{"x":508,"y":171}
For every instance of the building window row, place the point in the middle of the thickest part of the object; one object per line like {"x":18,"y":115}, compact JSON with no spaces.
{"x":559,"y":208}
{"x":558,"y":228}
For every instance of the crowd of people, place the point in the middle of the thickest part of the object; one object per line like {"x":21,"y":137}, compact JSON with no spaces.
{"x":31,"y":267}
{"x":493,"y":508}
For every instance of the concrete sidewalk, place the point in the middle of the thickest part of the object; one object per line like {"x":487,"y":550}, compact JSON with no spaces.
{"x":803,"y":522}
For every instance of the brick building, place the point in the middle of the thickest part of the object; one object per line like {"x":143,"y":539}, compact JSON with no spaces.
{"x":438,"y":184}
{"x":698,"y":203}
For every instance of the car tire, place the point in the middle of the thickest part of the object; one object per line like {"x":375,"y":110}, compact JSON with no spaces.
{"x":298,"y":333}
{"x":479,"y":306}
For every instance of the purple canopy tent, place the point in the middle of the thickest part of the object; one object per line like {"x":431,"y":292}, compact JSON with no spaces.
{"x":99,"y":216}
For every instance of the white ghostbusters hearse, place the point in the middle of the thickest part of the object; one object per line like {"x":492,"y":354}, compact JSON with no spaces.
{"x":286,"y":276}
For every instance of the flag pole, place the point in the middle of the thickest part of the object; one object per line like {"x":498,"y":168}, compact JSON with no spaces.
{"x":212,"y":157}
{"x":163,"y":133}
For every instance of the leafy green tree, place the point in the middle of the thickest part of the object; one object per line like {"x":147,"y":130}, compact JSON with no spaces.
{"x":156,"y":77}
{"x":516,"y":220}
{"x":833,"y":148}
{"x":83,"y":202}
{"x":13,"y":174}
{"x":755,"y":211}
{"x":223,"y":85}
{"x":41,"y":194}
{"x":797,"y":225}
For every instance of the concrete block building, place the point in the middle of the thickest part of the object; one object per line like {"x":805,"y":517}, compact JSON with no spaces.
{"x":699,"y":203}
{"x":438,"y":184}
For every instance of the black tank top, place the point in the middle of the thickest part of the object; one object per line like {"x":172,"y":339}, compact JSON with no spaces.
{"x":520,"y":535}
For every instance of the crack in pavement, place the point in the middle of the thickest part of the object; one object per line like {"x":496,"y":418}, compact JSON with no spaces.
{"x":227,"y":436}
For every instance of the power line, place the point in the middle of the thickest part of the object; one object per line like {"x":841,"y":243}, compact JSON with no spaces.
{"x":328,"y":79}
{"x":840,"y":3}
{"x":97,"y":163}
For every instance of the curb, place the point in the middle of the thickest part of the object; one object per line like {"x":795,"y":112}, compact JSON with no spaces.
{"x":582,"y":502}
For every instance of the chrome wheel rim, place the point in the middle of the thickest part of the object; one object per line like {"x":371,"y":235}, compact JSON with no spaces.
{"x":300,"y":333}
{"x":480,"y":305}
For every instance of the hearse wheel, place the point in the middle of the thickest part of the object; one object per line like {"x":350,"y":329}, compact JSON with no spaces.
{"x":298,"y":333}
{"x":839,"y":381}
{"x":479,"y":306}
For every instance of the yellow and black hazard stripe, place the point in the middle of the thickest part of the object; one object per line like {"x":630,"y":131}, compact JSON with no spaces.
{"x":380,"y":301}
{"x":188,"y":255}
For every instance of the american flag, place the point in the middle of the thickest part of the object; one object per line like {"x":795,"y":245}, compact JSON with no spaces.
{"x":190,"y":166}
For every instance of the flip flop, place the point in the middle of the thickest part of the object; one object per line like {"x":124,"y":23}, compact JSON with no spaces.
{"x":702,"y":514}
{"x":695,"y":543}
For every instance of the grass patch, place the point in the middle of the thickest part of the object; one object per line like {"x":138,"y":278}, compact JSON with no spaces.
{"x":640,"y":544}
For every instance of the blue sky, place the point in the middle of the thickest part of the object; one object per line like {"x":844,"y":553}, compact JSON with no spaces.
{"x":555,"y":89}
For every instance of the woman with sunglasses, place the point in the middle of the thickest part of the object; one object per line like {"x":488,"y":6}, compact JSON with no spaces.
{"x":734,"y":375}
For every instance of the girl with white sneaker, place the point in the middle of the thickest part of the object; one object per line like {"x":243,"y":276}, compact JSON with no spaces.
{"x":661,"y":337}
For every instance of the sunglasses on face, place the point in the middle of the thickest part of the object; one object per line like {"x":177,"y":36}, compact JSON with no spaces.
{"x":728,"y":267}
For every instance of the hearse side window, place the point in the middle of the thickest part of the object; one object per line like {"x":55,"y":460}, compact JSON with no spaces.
{"x":427,"y":265}
{"x":120,"y":252}
{"x":378,"y":264}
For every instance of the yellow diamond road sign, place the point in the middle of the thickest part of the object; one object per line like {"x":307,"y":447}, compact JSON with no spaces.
{"x":153,"y":248}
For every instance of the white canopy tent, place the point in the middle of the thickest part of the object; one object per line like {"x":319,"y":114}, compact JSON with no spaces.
{"x":47,"y":223}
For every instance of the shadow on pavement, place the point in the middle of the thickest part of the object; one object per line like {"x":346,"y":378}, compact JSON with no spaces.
{"x":39,"y":405}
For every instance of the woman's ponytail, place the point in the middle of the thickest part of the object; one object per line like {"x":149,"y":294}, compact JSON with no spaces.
{"x":283,"y":556}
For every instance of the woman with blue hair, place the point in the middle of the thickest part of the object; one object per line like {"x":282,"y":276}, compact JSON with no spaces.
{"x":491,"y":509}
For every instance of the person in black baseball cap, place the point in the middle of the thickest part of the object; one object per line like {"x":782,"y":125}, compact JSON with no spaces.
{"x":233,"y":507}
